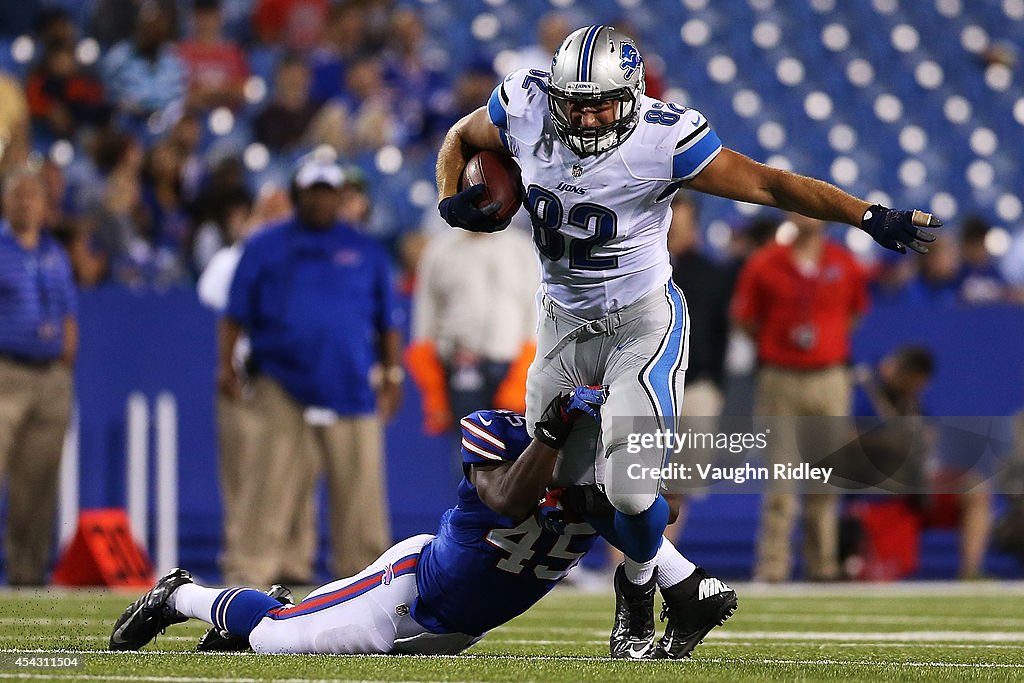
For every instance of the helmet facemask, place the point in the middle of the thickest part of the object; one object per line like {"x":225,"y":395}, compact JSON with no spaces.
{"x":588,"y":141}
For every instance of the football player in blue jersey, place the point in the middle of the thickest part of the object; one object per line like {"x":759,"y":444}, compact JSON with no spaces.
{"x":600,"y":163}
{"x":494,"y":555}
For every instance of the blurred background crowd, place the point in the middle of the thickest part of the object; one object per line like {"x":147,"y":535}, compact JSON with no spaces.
{"x":167,"y":130}
{"x":163,"y":125}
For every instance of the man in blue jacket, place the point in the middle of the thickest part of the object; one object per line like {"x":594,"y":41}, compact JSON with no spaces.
{"x":316,"y":299}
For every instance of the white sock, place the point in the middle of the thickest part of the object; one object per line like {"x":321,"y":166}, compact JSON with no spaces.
{"x":640,"y":572}
{"x":194,"y":601}
{"x":672,"y":566}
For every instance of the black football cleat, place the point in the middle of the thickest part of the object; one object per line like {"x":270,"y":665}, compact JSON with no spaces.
{"x":633,"y":633}
{"x":216,"y":640}
{"x":149,"y":615}
{"x":693,"y":607}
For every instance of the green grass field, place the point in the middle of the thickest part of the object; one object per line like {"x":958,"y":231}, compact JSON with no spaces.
{"x":947,"y":632}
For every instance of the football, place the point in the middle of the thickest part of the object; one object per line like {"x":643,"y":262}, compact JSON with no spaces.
{"x":501,"y":176}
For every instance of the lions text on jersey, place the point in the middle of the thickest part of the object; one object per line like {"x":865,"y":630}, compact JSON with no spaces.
{"x":482,"y":568}
{"x":600,"y":222}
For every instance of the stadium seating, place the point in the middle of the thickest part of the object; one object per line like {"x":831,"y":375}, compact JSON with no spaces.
{"x":877,"y":68}
{"x":885,"y":96}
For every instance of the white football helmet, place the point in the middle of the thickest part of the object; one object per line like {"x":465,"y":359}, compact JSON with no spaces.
{"x":595,"y":64}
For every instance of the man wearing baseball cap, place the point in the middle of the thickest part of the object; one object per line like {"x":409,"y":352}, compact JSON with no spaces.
{"x":316,"y":299}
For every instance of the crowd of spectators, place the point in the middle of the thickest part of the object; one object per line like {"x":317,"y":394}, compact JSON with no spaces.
{"x":153,"y":120}
{"x":158,"y":121}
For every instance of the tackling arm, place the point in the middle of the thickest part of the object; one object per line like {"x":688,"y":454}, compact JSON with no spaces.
{"x":513,"y":489}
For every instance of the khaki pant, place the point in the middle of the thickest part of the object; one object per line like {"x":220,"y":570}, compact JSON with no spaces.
{"x":703,"y":399}
{"x":788,"y":393}
{"x":240,"y":441}
{"x":271,"y":529}
{"x":35,"y":407}
{"x":352,"y":451}
{"x":274,"y":504}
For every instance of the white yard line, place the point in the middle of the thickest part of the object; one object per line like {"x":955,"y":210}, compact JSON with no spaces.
{"x":748,"y":643}
{"x":966,"y":619}
{"x":90,"y":638}
{"x":892,"y":644}
{"x":83,"y":651}
{"x":827,"y":636}
{"x":49,"y":621}
{"x":881,"y":636}
{"x":71,"y":676}
{"x":859,"y":589}
{"x":740,"y":642}
{"x":831,"y":618}
{"x":528,"y":658}
{"x":909,"y":589}
{"x":525,"y":659}
{"x":865,"y":662}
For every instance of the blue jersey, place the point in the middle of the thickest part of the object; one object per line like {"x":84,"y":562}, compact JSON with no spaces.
{"x":314,"y":303}
{"x":483,"y":569}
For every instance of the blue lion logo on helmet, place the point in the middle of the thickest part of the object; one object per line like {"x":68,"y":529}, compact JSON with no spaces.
{"x":631,"y":60}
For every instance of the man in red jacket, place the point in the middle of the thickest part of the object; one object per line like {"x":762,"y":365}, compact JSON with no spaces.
{"x":800,"y":301}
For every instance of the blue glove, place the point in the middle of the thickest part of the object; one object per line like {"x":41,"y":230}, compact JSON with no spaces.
{"x":898,"y":230}
{"x":550,"y":515}
{"x":587,"y":399}
{"x":555,"y":424}
{"x":460,"y":211}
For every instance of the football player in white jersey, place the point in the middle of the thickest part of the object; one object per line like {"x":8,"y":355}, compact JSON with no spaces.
{"x":600,"y":162}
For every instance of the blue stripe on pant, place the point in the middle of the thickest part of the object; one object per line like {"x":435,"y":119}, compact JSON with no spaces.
{"x":659,"y":376}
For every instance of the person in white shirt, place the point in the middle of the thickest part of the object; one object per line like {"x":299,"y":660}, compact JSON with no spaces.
{"x":473,"y":325}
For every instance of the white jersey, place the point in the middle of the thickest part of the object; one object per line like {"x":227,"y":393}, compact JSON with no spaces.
{"x":601,"y":222}
{"x":475,"y":293}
